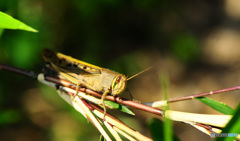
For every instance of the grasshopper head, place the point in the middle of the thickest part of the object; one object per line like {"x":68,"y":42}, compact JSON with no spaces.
{"x":119,"y":84}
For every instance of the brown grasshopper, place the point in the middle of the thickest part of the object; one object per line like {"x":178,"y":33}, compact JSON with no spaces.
{"x":88,"y":75}
{"x":85,"y":74}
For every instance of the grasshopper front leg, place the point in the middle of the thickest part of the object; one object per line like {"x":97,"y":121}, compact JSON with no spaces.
{"x":76,"y":93}
{"x":102,"y":98}
{"x":104,"y":106}
{"x":77,"y":88}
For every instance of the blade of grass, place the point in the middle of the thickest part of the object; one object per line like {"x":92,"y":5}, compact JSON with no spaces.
{"x":216,"y":105}
{"x":8,"y":22}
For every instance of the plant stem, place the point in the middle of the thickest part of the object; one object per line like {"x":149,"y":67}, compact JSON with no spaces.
{"x":203,"y":94}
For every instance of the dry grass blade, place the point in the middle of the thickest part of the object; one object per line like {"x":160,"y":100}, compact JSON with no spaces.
{"x":214,"y":120}
{"x":113,"y":131}
{"x":122,"y":126}
{"x":204,"y":122}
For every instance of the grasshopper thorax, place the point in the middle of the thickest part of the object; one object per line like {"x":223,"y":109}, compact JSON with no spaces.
{"x":119,"y":84}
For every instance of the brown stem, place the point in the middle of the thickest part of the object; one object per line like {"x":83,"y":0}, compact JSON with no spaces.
{"x":203,"y":94}
{"x":18,"y":70}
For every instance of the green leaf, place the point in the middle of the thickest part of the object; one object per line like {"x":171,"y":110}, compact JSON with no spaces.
{"x":218,"y":106}
{"x":232,"y":126}
{"x":8,"y":22}
{"x":119,"y":107}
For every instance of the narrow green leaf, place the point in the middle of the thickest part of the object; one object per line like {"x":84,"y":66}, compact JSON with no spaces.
{"x":119,"y":107}
{"x":233,"y":127}
{"x":8,"y":22}
{"x":218,"y":106}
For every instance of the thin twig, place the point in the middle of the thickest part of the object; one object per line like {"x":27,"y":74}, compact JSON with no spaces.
{"x":203,"y":94}
{"x":19,"y":71}
{"x":190,"y":97}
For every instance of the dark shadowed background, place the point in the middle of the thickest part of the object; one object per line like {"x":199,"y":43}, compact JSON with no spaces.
{"x":197,"y":43}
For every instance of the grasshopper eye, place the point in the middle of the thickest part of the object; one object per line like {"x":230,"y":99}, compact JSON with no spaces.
{"x":118,"y":79}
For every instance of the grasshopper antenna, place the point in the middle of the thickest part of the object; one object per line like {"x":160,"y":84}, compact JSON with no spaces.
{"x":139,"y":73}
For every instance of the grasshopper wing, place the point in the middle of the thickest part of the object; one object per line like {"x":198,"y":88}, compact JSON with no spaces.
{"x":68,"y":63}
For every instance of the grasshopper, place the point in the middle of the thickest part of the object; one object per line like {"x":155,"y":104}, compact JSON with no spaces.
{"x":85,"y":74}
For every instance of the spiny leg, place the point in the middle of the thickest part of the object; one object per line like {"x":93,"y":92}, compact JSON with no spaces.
{"x":104,"y":106}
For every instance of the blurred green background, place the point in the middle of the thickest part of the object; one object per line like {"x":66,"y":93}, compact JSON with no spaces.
{"x":196,"y":42}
